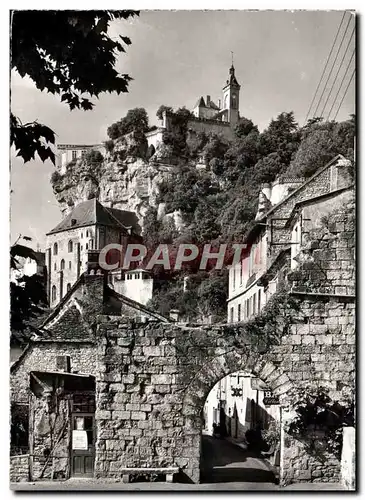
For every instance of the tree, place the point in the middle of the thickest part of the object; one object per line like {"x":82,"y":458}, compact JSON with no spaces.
{"x":162,"y":109}
{"x":28,"y":297}
{"x":68,"y":54}
{"x":282,"y":136}
{"x":244,"y":127}
{"x":321,"y":142}
{"x":136,"y":120}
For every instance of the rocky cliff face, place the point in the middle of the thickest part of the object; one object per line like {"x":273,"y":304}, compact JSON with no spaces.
{"x":125,"y":178}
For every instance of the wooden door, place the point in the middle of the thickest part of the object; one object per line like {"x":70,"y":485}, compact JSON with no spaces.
{"x":83,"y":437}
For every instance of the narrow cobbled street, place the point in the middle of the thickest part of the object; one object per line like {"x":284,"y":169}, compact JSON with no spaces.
{"x":225,"y":462}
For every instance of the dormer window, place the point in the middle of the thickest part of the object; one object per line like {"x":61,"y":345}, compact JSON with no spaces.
{"x":73,"y":222}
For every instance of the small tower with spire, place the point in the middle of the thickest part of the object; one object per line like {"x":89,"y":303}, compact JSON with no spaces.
{"x":231,"y":96}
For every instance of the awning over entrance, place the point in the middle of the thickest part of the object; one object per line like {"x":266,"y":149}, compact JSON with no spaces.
{"x":42,"y":381}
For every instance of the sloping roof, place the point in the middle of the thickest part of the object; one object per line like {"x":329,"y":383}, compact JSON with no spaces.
{"x":213,"y":105}
{"x":259,"y":222}
{"x":122,"y":299}
{"x":92,"y":212}
{"x":309,"y":201}
{"x":61,"y":329}
{"x":126,"y":218}
{"x":200,"y":103}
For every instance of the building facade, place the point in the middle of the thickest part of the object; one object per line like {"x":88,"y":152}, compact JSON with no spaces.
{"x":67,"y":153}
{"x":271,"y":239}
{"x":208,"y":117}
{"x":76,"y":241}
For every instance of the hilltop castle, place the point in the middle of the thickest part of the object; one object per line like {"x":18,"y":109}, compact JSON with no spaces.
{"x":220,"y":118}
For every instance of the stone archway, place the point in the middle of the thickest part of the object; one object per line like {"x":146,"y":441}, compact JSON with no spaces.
{"x":204,"y":380}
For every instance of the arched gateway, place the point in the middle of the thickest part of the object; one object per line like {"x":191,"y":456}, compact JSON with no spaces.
{"x":153,"y":384}
{"x":141,"y":386}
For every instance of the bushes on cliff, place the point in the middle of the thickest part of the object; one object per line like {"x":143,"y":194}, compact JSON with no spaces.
{"x":93,"y":158}
{"x":322,"y":141}
{"x":136,"y":120}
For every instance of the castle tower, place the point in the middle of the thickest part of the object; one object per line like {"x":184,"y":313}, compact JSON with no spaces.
{"x":231,"y":96}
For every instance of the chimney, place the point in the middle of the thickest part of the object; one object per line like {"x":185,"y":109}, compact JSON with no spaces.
{"x":263,"y":207}
{"x":174,"y":315}
{"x":208,"y":100}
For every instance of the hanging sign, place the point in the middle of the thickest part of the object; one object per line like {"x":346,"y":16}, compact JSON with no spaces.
{"x":269,"y":399}
{"x":79,"y":440}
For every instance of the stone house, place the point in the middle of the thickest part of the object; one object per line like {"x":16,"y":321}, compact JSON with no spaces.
{"x":75,"y":242}
{"x":53,"y":381}
{"x":72,"y":152}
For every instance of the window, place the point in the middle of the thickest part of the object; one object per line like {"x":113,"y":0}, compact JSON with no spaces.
{"x":74,"y":155}
{"x":239,"y":312}
{"x":136,"y":276}
{"x":254,"y":304}
{"x":87,"y":246}
{"x":68,"y":287}
{"x":82,"y":235}
{"x":55,"y":266}
{"x":87,"y":234}
{"x":232,"y":313}
{"x":69,"y":264}
{"x":55,"y":249}
{"x":62,"y":265}
{"x":234,"y":101}
{"x":54,"y":293}
{"x":81,"y":247}
{"x":70,"y":246}
{"x":259,"y":301}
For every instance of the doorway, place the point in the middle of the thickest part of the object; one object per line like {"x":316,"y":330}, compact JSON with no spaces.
{"x":83,"y":436}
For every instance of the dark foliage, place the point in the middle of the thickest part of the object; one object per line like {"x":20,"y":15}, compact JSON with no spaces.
{"x":28,"y":297}
{"x":136,"y":120}
{"x":318,"y":418}
{"x":68,"y":54}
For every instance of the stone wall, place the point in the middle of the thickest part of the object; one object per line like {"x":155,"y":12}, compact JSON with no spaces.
{"x":210,"y":126}
{"x":152,"y":384}
{"x":50,"y":438}
{"x":42,"y":357}
{"x":19,"y":468}
{"x":320,"y":184}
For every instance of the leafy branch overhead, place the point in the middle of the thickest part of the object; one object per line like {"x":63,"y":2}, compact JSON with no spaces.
{"x":68,"y":54}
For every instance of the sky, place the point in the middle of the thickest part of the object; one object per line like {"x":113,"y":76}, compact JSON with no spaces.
{"x":175,"y":57}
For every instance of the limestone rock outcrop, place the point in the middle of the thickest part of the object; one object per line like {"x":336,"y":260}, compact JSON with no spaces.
{"x":124,"y":178}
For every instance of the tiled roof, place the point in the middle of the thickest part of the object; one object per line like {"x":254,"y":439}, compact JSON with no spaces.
{"x":92,"y":212}
{"x":213,"y":105}
{"x":127,"y":219}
